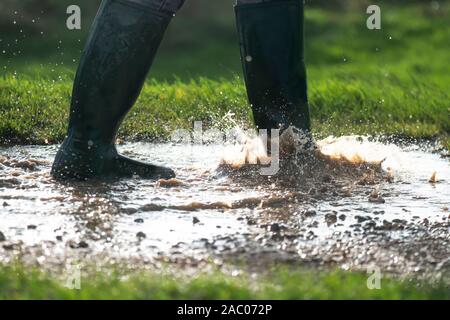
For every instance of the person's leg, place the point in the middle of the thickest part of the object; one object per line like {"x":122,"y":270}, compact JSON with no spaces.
{"x":119,"y":52}
{"x":271,"y":41}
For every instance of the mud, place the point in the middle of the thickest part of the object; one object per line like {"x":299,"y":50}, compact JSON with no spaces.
{"x":352,"y":204}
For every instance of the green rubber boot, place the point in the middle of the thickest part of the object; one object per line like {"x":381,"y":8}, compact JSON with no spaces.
{"x":120,"y":50}
{"x":272,"y":53}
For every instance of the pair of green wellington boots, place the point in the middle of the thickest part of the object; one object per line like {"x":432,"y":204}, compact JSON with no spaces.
{"x":122,"y":44}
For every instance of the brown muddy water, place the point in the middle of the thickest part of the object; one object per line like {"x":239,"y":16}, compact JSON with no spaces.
{"x":355,"y":204}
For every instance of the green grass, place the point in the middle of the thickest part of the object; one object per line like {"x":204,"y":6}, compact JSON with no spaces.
{"x":36,"y":111}
{"x":19,"y":283}
{"x":393,"y":81}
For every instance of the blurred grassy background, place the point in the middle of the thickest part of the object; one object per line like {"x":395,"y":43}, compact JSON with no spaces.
{"x":389,"y":81}
{"x":202,"y":41}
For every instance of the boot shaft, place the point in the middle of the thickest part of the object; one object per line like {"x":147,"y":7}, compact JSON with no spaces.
{"x":272,"y":51}
{"x":120,"y":49}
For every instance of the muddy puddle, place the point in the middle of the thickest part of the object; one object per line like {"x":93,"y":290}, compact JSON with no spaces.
{"x":384,"y":206}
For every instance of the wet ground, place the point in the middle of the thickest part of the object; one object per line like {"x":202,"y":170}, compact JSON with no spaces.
{"x":319,"y":211}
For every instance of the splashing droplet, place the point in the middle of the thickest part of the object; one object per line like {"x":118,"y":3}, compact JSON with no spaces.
{"x":433,"y":178}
